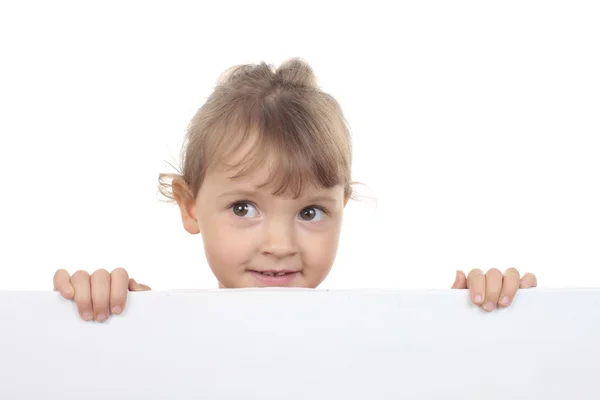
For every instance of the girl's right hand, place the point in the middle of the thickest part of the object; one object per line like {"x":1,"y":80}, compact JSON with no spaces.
{"x":98,"y":295}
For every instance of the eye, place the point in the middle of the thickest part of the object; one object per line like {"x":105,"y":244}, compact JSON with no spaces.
{"x":244,"y":209}
{"x":311,"y":213}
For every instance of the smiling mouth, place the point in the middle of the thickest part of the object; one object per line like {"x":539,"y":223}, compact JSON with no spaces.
{"x":274,"y":278}
{"x":274,"y":273}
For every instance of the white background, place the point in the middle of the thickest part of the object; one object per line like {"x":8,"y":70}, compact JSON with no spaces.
{"x":476,"y":128}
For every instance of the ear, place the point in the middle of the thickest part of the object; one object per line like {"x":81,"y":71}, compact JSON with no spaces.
{"x":187,"y":205}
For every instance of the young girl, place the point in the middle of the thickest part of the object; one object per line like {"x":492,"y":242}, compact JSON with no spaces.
{"x":265,"y":177}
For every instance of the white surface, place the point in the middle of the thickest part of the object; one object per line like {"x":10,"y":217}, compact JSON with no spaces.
{"x":298,"y":344}
{"x":475,"y":126}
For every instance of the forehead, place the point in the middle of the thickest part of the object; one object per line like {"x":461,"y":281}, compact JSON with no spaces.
{"x":267,"y":162}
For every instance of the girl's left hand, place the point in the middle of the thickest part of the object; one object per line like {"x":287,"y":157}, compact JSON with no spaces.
{"x":493,"y":289}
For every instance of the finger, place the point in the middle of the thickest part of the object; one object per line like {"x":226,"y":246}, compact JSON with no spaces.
{"x":137,"y":287}
{"x":119,"y":283}
{"x":62,"y":284}
{"x":510,"y":285}
{"x":81,"y":284}
{"x":528,"y":281}
{"x":493,"y":287}
{"x":476,"y":285}
{"x":460,"y":282}
{"x":100,"y":282}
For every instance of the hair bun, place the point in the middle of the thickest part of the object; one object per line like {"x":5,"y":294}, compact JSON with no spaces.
{"x":296,"y":72}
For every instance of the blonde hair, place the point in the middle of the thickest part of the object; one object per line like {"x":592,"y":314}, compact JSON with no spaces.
{"x":287,"y":118}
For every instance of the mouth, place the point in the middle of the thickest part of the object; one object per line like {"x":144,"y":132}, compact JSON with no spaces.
{"x":274,"y":273}
{"x":274,"y":278}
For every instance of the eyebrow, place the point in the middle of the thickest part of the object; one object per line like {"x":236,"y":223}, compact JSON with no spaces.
{"x":321,"y":199}
{"x":252,"y":193}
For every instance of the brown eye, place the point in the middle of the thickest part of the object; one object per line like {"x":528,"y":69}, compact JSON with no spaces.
{"x":311,"y":214}
{"x":244,"y":209}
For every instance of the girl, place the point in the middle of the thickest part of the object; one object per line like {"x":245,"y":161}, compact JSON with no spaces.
{"x":265,"y":177}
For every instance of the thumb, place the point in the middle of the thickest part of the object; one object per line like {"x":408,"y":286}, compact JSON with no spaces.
{"x":460,"y":282}
{"x":137,"y":287}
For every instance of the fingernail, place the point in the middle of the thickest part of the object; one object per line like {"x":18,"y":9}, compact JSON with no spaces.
{"x":489,"y":306}
{"x":478,"y":299}
{"x":87,"y":316}
{"x":101,"y":318}
{"x":504,"y":301}
{"x":116,"y":310}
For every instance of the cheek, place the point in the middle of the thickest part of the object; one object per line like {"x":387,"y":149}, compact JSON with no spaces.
{"x":224,"y":245}
{"x":319,"y":250}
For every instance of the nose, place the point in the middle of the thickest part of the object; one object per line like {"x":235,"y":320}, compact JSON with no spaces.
{"x":279,"y":239}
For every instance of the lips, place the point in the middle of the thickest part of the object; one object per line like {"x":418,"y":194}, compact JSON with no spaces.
{"x":274,"y":277}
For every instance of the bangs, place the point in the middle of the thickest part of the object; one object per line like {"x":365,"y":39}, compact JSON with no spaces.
{"x":299,"y":143}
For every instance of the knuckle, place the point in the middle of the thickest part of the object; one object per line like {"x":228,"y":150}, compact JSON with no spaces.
{"x":60,"y":272}
{"x":494,"y":272}
{"x":120,"y":271}
{"x":100,"y":273}
{"x":475,"y":272}
{"x":81,"y":274}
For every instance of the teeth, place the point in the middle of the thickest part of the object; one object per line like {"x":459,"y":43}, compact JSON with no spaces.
{"x":274,"y":273}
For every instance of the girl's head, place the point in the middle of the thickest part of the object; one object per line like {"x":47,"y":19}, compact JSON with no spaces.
{"x":265,"y":177}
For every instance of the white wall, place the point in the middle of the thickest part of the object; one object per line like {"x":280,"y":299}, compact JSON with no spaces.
{"x":475,"y":126}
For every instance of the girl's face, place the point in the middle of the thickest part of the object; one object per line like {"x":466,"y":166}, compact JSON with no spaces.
{"x":255,"y":239}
